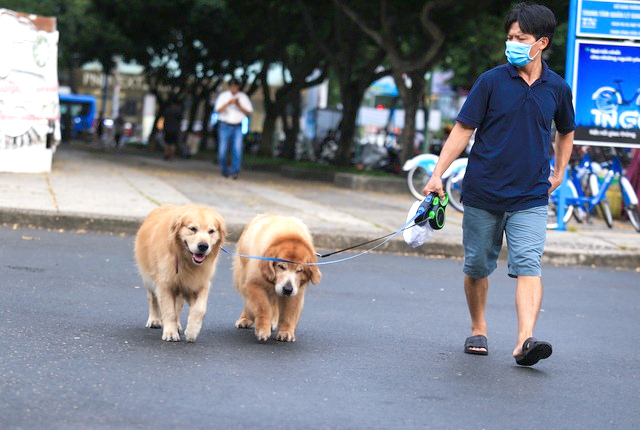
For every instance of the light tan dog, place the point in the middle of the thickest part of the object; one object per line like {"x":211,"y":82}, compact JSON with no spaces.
{"x":176,"y":250}
{"x":273,"y":292}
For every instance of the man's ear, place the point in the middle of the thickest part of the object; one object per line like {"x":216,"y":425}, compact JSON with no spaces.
{"x":267,"y":269}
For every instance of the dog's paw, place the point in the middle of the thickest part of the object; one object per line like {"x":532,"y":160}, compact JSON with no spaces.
{"x":171,"y":336}
{"x":180,"y":327}
{"x":191,"y":334}
{"x":286,"y":336}
{"x":244,"y":323}
{"x":154,"y":323}
{"x":263,"y":335}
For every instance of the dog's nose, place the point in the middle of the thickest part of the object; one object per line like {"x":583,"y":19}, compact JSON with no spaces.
{"x":202,"y":246}
{"x":287,"y":289}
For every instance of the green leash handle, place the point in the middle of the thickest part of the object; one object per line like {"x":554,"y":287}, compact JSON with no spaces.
{"x":433,"y":210}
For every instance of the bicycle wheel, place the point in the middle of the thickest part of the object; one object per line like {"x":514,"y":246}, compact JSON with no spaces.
{"x":417,"y":178}
{"x":633,"y":213}
{"x":579,"y":214}
{"x":607,"y":101}
{"x":453,"y":187}
{"x":553,"y":207}
{"x":605,"y":212}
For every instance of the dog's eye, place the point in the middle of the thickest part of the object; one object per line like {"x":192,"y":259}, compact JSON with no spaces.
{"x":299,"y":270}
{"x":212,"y":231}
{"x":193,"y":229}
{"x":281,"y":266}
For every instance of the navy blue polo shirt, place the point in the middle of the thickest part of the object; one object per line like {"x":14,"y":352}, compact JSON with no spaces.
{"x":509,"y":162}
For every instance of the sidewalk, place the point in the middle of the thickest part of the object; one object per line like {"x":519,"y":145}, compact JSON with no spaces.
{"x":113,"y":191}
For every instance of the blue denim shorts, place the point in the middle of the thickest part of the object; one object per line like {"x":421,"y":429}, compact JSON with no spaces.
{"x":482,"y":233}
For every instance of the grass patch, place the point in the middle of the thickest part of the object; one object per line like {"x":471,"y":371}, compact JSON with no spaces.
{"x":252,"y":160}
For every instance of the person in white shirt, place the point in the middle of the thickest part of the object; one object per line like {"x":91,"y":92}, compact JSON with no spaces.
{"x":232,"y":107}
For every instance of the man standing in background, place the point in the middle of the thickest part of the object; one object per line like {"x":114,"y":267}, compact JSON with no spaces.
{"x":232,"y":107}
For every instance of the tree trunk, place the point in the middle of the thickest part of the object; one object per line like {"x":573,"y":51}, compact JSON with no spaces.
{"x":206,"y":121}
{"x":270,"y":116}
{"x":411,"y":99}
{"x":268,"y":130}
{"x":193,"y":110}
{"x":291,"y":121}
{"x":351,"y":99}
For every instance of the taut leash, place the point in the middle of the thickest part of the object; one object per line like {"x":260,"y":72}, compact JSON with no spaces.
{"x":430,"y":210}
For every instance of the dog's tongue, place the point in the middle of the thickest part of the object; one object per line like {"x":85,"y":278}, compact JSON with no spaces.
{"x":198,"y":257}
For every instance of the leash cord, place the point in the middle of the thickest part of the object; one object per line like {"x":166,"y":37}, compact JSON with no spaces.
{"x":388,"y":238}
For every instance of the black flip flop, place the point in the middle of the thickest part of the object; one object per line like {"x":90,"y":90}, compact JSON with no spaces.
{"x":478,"y":341}
{"x":533,"y":351}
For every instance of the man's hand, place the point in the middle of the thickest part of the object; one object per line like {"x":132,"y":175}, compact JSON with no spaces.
{"x":555,"y":182}
{"x":434,"y":184}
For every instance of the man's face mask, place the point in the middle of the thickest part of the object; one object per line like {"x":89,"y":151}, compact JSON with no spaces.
{"x":518,"y":53}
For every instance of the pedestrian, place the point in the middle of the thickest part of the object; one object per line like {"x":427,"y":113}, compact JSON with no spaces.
{"x":172,"y":129}
{"x":508,"y":179}
{"x":118,"y":126}
{"x":232,"y":106}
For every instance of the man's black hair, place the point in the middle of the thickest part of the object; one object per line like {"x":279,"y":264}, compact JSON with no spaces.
{"x":534,"y":19}
{"x":234,"y":81}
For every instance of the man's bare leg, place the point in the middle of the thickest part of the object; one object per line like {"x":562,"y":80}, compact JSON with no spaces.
{"x":476,"y":292}
{"x":528,"y":301}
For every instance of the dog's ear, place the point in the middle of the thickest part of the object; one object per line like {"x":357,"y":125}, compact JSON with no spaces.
{"x":268,"y":270}
{"x":176,"y":225}
{"x":222,"y":229}
{"x":316,"y":276}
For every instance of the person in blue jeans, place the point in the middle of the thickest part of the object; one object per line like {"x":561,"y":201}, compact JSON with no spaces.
{"x":508,"y":179}
{"x":232,"y":107}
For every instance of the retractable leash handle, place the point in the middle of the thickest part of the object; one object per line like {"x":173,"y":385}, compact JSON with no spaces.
{"x":432,"y":209}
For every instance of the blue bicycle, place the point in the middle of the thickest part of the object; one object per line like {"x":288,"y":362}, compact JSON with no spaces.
{"x":613,"y":169}
{"x":587,"y":193}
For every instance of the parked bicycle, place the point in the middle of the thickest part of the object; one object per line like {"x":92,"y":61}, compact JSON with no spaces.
{"x":613,"y":170}
{"x":586,"y":192}
{"x":420,"y":168}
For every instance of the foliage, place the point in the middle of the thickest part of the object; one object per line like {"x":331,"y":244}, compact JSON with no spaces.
{"x":479,"y":46}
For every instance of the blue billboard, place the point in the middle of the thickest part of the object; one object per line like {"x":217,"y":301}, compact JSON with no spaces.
{"x":608,"y":19}
{"x":606,"y":91}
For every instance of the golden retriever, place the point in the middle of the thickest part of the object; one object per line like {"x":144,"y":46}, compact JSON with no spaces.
{"x":273,"y":291}
{"x":176,"y":250}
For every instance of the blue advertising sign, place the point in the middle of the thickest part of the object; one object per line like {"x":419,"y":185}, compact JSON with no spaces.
{"x":606,"y":91}
{"x":609,"y":19}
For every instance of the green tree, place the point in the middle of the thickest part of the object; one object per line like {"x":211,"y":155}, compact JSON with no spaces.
{"x":355,"y":61}
{"x":480,"y":45}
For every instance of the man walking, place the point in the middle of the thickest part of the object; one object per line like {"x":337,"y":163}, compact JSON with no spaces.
{"x":232,"y":107}
{"x":508,"y":179}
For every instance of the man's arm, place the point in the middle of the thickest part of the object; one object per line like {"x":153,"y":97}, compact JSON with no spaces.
{"x":221,"y":105}
{"x":456,"y":143}
{"x":563,"y":147}
{"x":245,"y":99}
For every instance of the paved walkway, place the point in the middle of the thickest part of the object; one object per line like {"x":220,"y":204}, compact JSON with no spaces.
{"x":113,"y":191}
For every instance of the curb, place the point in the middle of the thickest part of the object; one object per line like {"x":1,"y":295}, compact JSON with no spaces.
{"x":129,"y":226}
{"x":325,"y":241}
{"x":370,"y":183}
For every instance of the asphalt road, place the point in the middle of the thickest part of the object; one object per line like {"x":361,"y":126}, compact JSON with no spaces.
{"x":379,"y":346}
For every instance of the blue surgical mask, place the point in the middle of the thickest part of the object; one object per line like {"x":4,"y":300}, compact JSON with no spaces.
{"x":518,"y":53}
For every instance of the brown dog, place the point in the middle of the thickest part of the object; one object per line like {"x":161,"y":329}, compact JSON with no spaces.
{"x":273,"y":292}
{"x":176,"y":250}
